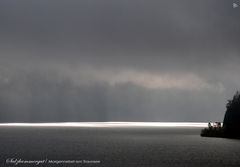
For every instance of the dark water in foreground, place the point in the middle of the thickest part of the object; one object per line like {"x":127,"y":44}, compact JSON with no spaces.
{"x":115,"y":147}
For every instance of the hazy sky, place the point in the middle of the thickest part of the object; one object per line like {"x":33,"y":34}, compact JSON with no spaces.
{"x":118,"y":60}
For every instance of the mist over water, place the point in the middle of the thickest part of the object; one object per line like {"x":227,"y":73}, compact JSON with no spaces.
{"x":124,"y":83}
{"x":138,"y":60}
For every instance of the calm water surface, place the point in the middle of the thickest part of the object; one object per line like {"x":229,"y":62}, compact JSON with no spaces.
{"x":116,"y":147}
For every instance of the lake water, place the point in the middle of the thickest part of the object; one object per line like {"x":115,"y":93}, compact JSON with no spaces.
{"x":115,"y":145}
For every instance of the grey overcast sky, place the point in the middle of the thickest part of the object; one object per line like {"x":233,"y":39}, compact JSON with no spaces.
{"x":118,"y":60}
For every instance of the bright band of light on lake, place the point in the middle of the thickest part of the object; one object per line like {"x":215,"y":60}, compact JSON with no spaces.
{"x":111,"y":124}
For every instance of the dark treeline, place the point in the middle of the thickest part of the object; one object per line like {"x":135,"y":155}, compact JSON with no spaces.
{"x":231,"y":122}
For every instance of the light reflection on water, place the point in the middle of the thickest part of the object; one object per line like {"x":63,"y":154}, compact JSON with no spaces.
{"x":112,"y":124}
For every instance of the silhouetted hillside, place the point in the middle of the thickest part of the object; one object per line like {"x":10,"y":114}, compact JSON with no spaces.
{"x":231,"y":122}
